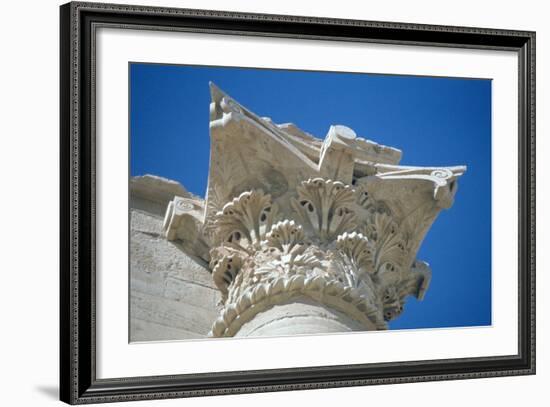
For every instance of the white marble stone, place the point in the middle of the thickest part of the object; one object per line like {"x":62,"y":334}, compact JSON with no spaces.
{"x":172,"y":295}
{"x":300,"y":235}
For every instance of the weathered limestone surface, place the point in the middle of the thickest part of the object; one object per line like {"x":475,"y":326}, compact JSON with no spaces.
{"x":172,"y":295}
{"x":300,"y":317}
{"x":296,"y":235}
{"x":303,"y":235}
{"x":151,"y":194}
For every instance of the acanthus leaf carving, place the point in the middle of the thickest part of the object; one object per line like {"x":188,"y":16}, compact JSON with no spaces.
{"x":358,"y":249}
{"x":225,"y":263}
{"x":286,"y":252}
{"x":336,"y":259}
{"x":287,"y":236}
{"x":311,"y":233}
{"x":358,"y":258}
{"x":326,"y":207}
{"x":389,"y":240}
{"x":245,"y":220}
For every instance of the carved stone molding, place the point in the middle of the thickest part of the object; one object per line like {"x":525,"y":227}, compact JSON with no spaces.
{"x":291,"y":218}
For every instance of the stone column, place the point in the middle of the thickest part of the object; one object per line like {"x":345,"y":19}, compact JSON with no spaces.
{"x":300,"y":316}
{"x":306,"y":236}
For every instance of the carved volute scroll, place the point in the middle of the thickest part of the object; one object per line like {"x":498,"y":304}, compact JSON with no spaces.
{"x":289,"y":218}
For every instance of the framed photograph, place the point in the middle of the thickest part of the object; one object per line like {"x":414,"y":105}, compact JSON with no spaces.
{"x":256,"y":203}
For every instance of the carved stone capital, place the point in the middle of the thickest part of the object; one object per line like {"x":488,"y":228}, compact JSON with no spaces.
{"x":358,"y":268}
{"x":289,"y":218}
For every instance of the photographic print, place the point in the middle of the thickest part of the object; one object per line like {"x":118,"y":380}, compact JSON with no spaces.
{"x":356,"y":197}
{"x":271,"y":202}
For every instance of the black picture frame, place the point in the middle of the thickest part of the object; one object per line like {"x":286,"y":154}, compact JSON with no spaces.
{"x":78,"y":382}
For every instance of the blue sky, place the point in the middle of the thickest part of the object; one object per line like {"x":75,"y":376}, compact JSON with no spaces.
{"x":434,"y":121}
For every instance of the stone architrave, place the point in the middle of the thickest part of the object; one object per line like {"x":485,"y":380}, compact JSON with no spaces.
{"x":304,"y":235}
